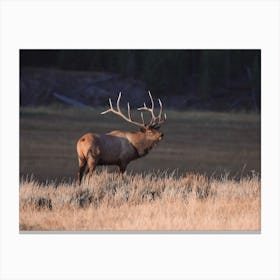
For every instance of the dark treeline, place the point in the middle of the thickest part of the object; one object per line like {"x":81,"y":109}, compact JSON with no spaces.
{"x":200,"y":74}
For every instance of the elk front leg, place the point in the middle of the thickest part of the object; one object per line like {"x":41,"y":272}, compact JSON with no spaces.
{"x":121,"y":168}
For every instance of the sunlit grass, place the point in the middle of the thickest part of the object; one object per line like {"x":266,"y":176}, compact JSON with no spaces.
{"x":151,"y":201}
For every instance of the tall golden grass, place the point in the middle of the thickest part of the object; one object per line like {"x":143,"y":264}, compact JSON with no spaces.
{"x":152,"y":201}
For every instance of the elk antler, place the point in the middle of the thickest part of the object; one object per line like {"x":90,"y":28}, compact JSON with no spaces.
{"x":155,"y":122}
{"x":119,"y":112}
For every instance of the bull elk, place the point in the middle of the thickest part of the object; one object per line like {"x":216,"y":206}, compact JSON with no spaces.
{"x":120,"y":147}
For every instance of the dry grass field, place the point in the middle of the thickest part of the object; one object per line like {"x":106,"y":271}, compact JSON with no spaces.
{"x":204,"y":175}
{"x":142,"y":202}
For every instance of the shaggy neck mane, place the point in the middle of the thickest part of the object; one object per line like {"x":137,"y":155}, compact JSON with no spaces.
{"x":139,"y":142}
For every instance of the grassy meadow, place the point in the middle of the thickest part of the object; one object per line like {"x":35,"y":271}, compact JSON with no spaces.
{"x":202,"y":176}
{"x":154,"y":201}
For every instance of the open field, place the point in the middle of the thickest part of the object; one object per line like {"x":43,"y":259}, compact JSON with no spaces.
{"x":204,"y":175}
{"x":204,"y":142}
{"x":142,"y":202}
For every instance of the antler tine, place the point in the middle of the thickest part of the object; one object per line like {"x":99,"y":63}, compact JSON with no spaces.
{"x":163,"y":120}
{"x":109,"y":110}
{"x":118,"y":101}
{"x":142,"y":117}
{"x":160,"y":110}
{"x":110,"y":102}
{"x":153,"y":105}
{"x":128,"y":110}
{"x":160,"y":120}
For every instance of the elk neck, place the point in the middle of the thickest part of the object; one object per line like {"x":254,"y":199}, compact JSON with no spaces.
{"x":140,"y":142}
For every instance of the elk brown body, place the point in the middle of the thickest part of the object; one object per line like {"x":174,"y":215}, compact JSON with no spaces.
{"x":118,"y":147}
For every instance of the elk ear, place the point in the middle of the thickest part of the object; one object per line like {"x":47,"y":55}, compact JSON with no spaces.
{"x":142,"y":129}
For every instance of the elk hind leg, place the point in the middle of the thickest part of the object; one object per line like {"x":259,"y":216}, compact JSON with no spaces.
{"x":82,"y":168}
{"x":91,"y":162}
